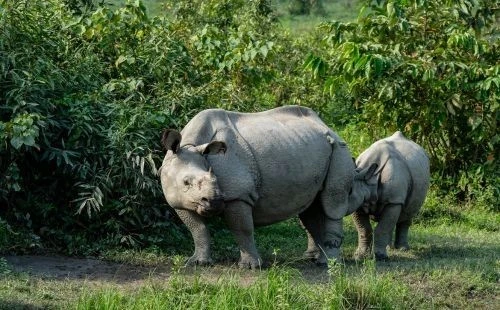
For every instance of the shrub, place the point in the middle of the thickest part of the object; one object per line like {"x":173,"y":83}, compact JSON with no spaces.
{"x":87,"y":93}
{"x":428,"y":68}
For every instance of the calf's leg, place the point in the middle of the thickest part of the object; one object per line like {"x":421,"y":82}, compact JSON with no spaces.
{"x":388,"y":219}
{"x":365,"y":234}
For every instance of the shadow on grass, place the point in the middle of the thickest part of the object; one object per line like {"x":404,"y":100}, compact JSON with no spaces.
{"x":14,"y":305}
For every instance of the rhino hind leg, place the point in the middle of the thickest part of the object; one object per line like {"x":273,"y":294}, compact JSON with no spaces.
{"x":401,"y":241}
{"x":312,"y":252}
{"x":384,"y":229}
{"x":333,"y":237}
{"x":365,"y":235}
{"x":334,"y":199}
{"x":312,"y":221}
{"x":332,"y":210}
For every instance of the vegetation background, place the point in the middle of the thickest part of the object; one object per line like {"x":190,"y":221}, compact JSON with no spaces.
{"x":86,"y":88}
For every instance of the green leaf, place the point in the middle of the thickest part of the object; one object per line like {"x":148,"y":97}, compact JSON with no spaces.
{"x":361,"y":62}
{"x":390,"y":9}
{"x":368,"y":69}
{"x":16,"y":142}
{"x":263,"y":50}
{"x":120,"y":60}
{"x":455,"y":100}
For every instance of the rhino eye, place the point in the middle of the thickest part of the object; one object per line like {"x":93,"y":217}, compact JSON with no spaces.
{"x":186,"y":181}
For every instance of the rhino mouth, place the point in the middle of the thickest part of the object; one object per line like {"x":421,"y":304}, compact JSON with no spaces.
{"x":208,"y":208}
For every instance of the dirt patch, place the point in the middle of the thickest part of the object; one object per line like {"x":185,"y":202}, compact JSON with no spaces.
{"x":95,"y":270}
{"x":60,"y":267}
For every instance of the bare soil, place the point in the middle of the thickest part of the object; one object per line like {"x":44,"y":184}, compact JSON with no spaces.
{"x":61,"y":267}
{"x":95,"y":270}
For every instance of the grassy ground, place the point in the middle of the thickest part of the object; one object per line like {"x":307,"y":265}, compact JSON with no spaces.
{"x":452,"y":264}
{"x":342,"y":10}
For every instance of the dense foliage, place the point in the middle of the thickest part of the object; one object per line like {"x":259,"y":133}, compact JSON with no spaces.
{"x":85,"y":95}
{"x":429,"y":68}
{"x":85,"y":91}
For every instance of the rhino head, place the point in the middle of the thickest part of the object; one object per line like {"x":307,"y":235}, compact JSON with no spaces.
{"x":187,"y":180}
{"x":364,"y":188}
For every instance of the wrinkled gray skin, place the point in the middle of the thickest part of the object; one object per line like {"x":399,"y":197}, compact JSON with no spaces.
{"x":390,"y":184}
{"x":265,"y":167}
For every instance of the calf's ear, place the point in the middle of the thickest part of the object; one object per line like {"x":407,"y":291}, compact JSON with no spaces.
{"x":171,"y":140}
{"x":367,"y":173}
{"x":212,"y":148}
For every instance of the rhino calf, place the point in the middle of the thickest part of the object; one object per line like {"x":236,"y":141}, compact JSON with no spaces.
{"x":390,"y":185}
{"x":258,"y":169}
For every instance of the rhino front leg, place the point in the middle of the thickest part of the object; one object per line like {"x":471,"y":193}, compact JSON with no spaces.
{"x":238,"y":216}
{"x":402,"y":235}
{"x":384,"y":228}
{"x":201,"y":237}
{"x":365,"y":234}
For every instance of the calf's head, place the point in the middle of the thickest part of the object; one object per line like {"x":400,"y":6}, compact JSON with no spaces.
{"x":364,"y":188}
{"x":187,"y":180}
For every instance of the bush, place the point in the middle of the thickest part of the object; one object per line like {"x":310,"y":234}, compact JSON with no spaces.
{"x":87,"y":90}
{"x":80,"y":123}
{"x":428,"y":68}
{"x":87,"y":93}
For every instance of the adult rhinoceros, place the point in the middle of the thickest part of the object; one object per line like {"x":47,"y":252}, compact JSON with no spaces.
{"x":258,"y":169}
{"x":391,"y":182}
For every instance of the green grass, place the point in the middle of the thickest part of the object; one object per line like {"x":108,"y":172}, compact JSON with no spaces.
{"x":453,"y":263}
{"x":341,"y":10}
{"x":277,"y":288}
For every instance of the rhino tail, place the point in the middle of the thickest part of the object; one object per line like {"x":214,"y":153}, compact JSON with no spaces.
{"x":333,"y":141}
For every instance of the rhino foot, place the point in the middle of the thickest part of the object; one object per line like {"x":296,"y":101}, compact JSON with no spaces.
{"x":312,"y":254}
{"x":402,"y":247}
{"x":381,"y":257}
{"x":329,"y":256}
{"x":362,"y":253}
{"x":198,"y":260}
{"x":249,"y":262}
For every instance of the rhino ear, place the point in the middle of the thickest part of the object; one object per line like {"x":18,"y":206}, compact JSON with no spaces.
{"x":212,"y":148}
{"x":171,"y":139}
{"x":367,"y":173}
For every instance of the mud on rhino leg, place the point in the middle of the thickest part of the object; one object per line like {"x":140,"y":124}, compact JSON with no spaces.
{"x":334,"y":235}
{"x":334,"y":198}
{"x":401,"y":241}
{"x":334,"y":205}
{"x":238,"y":217}
{"x":384,"y":229}
{"x":201,"y":237}
{"x":333,"y":227}
{"x":365,"y":234}
{"x":312,"y":219}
